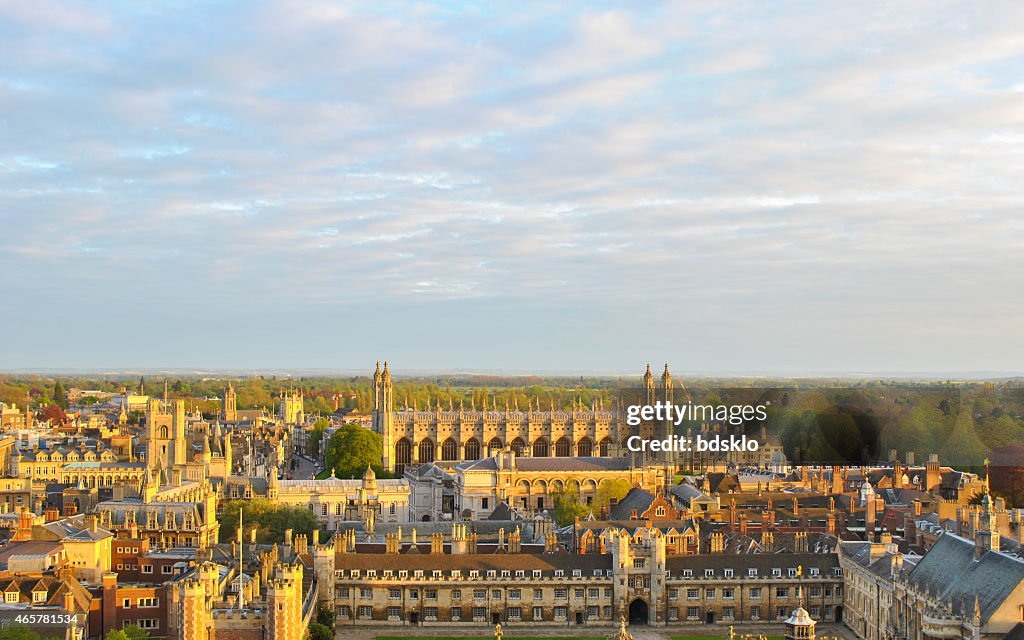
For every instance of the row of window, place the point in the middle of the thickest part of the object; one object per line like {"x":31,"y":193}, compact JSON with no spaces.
{"x":141,"y":603}
{"x":337,"y":509}
{"x":729,"y":613}
{"x":578,"y":573}
{"x":754,"y":593}
{"x":477,"y":614}
{"x":480,"y":594}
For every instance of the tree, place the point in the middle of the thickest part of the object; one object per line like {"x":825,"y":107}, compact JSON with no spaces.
{"x":135,"y":632}
{"x":318,"y":631}
{"x":351,"y":449}
{"x":568,"y":506}
{"x":60,"y":397}
{"x":317,"y":435}
{"x":325,"y":616}
{"x":607,"y":491}
{"x":53,"y":414}
{"x":269,"y":518}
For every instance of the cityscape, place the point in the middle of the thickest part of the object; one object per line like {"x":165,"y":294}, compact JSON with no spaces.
{"x":162,"y":510}
{"x":447,"y":320}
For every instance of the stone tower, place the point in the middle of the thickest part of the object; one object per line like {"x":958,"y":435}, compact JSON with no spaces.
{"x":229,"y":406}
{"x":284,"y":604}
{"x":383,"y":410}
{"x":291,"y":407}
{"x":165,"y":428}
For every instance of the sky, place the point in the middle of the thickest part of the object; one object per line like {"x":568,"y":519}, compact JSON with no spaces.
{"x":820,"y":187}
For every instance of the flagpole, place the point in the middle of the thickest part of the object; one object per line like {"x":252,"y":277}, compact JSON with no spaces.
{"x":241,"y":542}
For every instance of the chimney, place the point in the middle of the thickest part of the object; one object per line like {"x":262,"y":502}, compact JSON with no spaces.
{"x":436,"y":544}
{"x":550,"y":543}
{"x":515,"y":542}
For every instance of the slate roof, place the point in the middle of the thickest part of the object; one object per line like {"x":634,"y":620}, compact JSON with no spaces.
{"x":638,"y":499}
{"x":547,"y":563}
{"x":950,"y":570}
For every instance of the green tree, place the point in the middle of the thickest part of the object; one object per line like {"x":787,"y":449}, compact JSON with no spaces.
{"x":270,"y":520}
{"x":351,"y":449}
{"x":60,"y":396}
{"x":318,"y":631}
{"x":568,"y":506}
{"x":317,"y":435}
{"x":325,"y":616}
{"x":135,"y":632}
{"x":18,"y":632}
{"x":607,"y":491}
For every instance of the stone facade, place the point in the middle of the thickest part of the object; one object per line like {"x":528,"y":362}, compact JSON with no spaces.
{"x":453,"y":434}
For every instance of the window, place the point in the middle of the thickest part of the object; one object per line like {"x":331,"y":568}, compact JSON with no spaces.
{"x":430,"y":594}
{"x":728,"y":573}
{"x":816,"y":613}
{"x":147,"y":568}
{"x":538,"y":613}
{"x":38,"y":596}
{"x":456,"y":594}
{"x":392,"y":509}
{"x":687,"y":573}
{"x":394,"y":594}
{"x":780,"y":612}
{"x":342,"y":592}
{"x":776,"y":573}
{"x":166,"y":569}
{"x":727,"y":594}
{"x":781,"y":592}
{"x":479,"y":613}
{"x":751,"y":573}
{"x":366,"y":593}
{"x":709,"y":573}
{"x":638,"y":563}
{"x":430,"y":613}
{"x":814,"y":571}
{"x":479,"y":594}
{"x":577,"y":593}
{"x":755,"y":593}
{"x":755,"y":613}
{"x":729,"y":612}
{"x":692,"y":613}
{"x":594,"y":593}
{"x":345,"y":611}
{"x":592,"y":613}
{"x":561,"y":613}
{"x":127,"y":604}
{"x":414,"y":594}
{"x":791,"y":573}
{"x":538,"y":594}
{"x":561,"y":594}
{"x":709,"y":593}
{"x":148,"y":623}
{"x":394,"y":612}
{"x":496,"y":594}
{"x":483,"y":503}
{"x":323,"y":510}
{"x":456,"y":614}
{"x":148,"y":602}
{"x":337,"y":509}
{"x":815,"y":592}
{"x":515,"y":594}
{"x":514,"y":613}
{"x":692,"y":594}
{"x":365,"y":612}
{"x":660,"y":512}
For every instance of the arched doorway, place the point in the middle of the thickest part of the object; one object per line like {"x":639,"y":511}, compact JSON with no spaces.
{"x":638,"y":612}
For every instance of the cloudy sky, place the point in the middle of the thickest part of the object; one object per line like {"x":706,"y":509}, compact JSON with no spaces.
{"x":824,"y":187}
